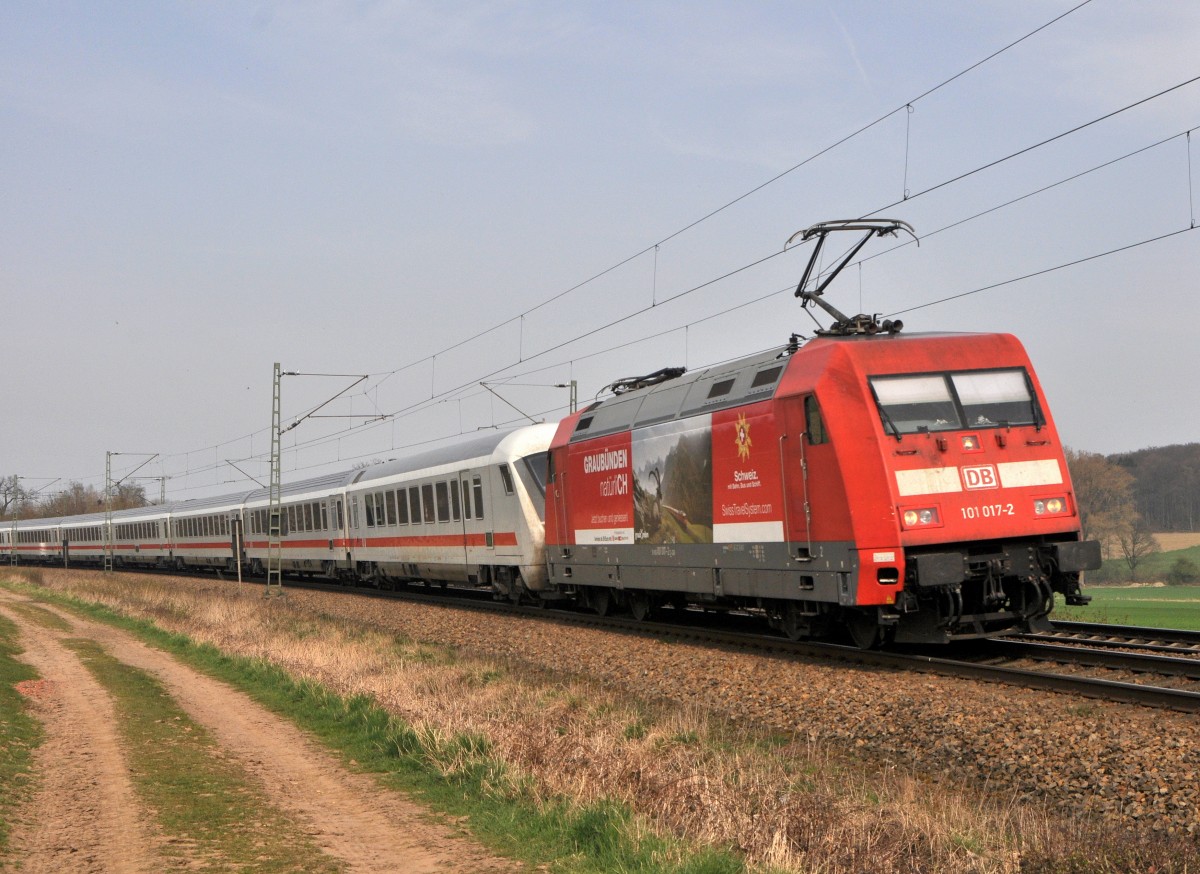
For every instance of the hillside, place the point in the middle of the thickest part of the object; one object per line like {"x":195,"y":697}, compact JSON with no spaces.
{"x":1166,"y":487}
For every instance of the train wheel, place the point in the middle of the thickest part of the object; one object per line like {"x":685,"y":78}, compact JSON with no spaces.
{"x":791,"y":623}
{"x":600,"y":600}
{"x":641,"y":606}
{"x":863,"y":628}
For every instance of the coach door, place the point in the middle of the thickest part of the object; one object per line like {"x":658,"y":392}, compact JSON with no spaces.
{"x":236,"y":543}
{"x":460,"y":509}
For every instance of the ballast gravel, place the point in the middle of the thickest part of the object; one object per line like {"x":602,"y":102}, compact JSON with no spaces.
{"x":1131,"y":763}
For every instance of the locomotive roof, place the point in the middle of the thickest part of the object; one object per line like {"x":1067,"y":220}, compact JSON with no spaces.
{"x":731,"y":384}
{"x":714,"y":388}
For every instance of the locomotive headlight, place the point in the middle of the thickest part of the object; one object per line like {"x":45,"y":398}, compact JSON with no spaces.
{"x":1049,"y":506}
{"x":919,"y":517}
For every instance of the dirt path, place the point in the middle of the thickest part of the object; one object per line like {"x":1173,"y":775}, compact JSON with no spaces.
{"x":84,"y":816}
{"x":348,"y":815}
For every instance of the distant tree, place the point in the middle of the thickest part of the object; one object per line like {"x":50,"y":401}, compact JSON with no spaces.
{"x":1166,"y":485}
{"x":1183,"y":572}
{"x":12,"y":495}
{"x":75,"y":500}
{"x":129,"y":496}
{"x":1105,"y":494}
{"x":1136,"y":541}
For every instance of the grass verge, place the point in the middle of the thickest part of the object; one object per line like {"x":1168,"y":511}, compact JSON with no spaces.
{"x":20,"y":733}
{"x":454,"y":774}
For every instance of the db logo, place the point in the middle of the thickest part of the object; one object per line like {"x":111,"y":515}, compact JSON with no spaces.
{"x":981,"y":477}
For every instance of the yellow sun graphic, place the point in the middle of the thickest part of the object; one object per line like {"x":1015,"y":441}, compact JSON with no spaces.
{"x":743,"y":437}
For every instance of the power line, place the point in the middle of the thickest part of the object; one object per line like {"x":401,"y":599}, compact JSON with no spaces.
{"x":707,"y":216}
{"x":712,"y":213}
{"x":1043,"y":272}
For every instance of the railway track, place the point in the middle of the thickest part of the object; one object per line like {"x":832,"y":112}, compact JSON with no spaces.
{"x":1075,"y":667}
{"x":1077,"y":658}
{"x":1100,"y":636}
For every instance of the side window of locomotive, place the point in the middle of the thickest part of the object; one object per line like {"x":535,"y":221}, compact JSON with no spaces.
{"x":721,"y":388}
{"x":995,"y":398}
{"x":912,"y":404}
{"x":766,"y":378}
{"x":506,"y":478}
{"x":814,"y":424}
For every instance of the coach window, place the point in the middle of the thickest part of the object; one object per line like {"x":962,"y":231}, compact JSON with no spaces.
{"x":390,"y":497}
{"x":427,"y":502}
{"x":477,"y":485}
{"x":324,"y":516}
{"x":414,"y":505}
{"x":506,"y":478}
{"x":401,"y":496}
{"x":308,"y":520}
{"x":814,"y":423}
{"x":454,"y":507}
{"x":443,"y":502}
{"x":369,"y":509}
{"x":538,"y":466}
{"x":466,"y":497}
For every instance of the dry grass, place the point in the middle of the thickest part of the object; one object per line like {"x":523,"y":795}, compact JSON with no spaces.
{"x":1171,"y":541}
{"x":782,"y":801}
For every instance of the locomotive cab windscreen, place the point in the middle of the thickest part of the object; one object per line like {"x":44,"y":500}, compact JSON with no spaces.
{"x":954,"y":401}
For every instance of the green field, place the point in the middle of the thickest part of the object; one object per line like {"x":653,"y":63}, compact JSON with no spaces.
{"x":1153,"y":568}
{"x":1157,"y":607}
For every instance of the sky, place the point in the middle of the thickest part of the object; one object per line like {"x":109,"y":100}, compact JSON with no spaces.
{"x":439,"y":194}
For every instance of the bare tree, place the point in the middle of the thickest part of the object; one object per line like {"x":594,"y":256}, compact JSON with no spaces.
{"x":74,"y":500}
{"x":12,"y":495}
{"x":1105,"y":494}
{"x":1136,"y":542}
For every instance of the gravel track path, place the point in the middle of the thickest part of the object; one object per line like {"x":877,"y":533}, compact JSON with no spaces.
{"x":86,"y":816}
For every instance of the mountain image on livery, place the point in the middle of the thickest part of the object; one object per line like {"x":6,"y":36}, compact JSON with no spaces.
{"x":673,"y":485}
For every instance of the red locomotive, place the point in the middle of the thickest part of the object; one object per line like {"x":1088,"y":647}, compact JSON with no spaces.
{"x":909,"y":488}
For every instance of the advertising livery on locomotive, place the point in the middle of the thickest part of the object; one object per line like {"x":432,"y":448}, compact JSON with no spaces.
{"x":900,"y":487}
